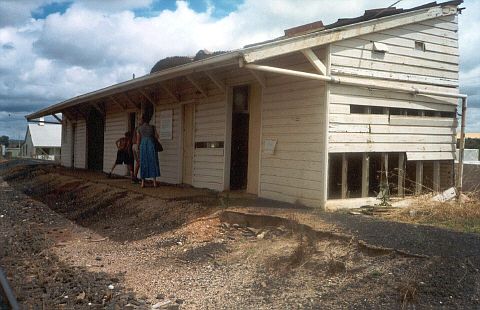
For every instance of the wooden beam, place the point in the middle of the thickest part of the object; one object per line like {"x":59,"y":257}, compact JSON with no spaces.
{"x":77,"y":110}
{"x":58,"y":118}
{"x":384,"y":168}
{"x":147,"y":96}
{"x":196,"y":85}
{"x":118,"y":103}
{"x":401,"y":174}
{"x":419,"y":178}
{"x":365,"y":174}
{"x":290,"y":45}
{"x":436,"y":175}
{"x":69,"y":115}
{"x":135,"y":104}
{"x":344,"y":176}
{"x":313,"y":59}
{"x":259,"y":77}
{"x":221,"y":86}
{"x":97,"y":107}
{"x":170,"y":93}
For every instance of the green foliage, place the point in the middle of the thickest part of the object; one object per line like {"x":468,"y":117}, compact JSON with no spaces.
{"x":470,"y":143}
{"x":4,"y":140}
{"x":384,"y":194}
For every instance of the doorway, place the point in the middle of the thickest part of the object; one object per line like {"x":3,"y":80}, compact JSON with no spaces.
{"x":239,"y":141}
{"x":132,"y":123}
{"x":188,"y":128}
{"x":72,"y":148}
{"x":95,"y":133}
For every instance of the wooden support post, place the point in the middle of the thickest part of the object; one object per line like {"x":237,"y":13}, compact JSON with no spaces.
{"x":259,"y":77}
{"x":344,"y":176}
{"x":221,"y":86}
{"x":401,"y":175}
{"x":436,"y":176}
{"x":461,"y":152}
{"x":313,"y":59}
{"x":419,"y":178}
{"x":197,"y":86}
{"x":384,"y":169}
{"x":365,"y":174}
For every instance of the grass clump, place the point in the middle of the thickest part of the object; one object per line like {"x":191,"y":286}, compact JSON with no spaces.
{"x":463,"y":215}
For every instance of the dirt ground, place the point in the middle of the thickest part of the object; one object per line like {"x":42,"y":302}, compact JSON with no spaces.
{"x":77,"y":240}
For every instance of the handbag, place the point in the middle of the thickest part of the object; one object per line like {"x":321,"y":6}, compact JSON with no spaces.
{"x":158,"y":145}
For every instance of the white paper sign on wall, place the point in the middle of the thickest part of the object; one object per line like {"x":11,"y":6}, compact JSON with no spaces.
{"x":269,"y":146}
{"x":166,"y":124}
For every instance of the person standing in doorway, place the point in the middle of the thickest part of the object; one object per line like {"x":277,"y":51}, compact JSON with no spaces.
{"x":149,"y":166}
{"x":124,"y":153}
{"x":136,"y":155}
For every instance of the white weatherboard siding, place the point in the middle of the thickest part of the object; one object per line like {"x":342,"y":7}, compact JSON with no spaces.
{"x":80,"y":144}
{"x":170,"y":158}
{"x":66,"y":143}
{"x":293,"y":115}
{"x":436,"y":68}
{"x":116,"y":124}
{"x":208,"y":163}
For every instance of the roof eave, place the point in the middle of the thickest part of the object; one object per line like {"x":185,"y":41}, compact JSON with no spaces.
{"x":149,"y":79}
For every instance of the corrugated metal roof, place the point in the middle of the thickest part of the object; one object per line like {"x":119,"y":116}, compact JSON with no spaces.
{"x":47,"y":135}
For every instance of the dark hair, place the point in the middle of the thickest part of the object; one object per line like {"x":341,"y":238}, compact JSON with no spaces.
{"x":146,"y":118}
{"x":128,"y":134}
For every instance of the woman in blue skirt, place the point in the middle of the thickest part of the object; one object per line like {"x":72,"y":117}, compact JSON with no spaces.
{"x":149,"y":166}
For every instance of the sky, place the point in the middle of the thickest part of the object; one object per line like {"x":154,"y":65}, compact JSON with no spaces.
{"x":52,"y":50}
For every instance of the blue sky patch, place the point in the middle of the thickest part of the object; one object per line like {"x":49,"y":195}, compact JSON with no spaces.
{"x":55,"y":7}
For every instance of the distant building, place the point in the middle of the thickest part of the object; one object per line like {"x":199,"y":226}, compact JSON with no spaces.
{"x":42,"y":141}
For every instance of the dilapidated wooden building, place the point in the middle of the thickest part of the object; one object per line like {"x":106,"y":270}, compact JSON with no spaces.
{"x":324,"y":112}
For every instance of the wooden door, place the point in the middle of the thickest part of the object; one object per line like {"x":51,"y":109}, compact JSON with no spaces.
{"x":254,"y":144}
{"x":188,"y":143}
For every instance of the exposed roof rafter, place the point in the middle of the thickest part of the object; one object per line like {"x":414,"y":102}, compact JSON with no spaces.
{"x":313,"y":59}
{"x":221,"y":86}
{"x":259,"y":77}
{"x":197,"y":86}
{"x":170,"y":93}
{"x":124,"y":107}
{"x":144,"y":93}
{"x":135,"y":104}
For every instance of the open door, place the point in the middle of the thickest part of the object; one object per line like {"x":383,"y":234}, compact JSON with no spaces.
{"x":72,"y":148}
{"x":239,"y":144}
{"x":95,"y":133}
{"x":188,"y":128}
